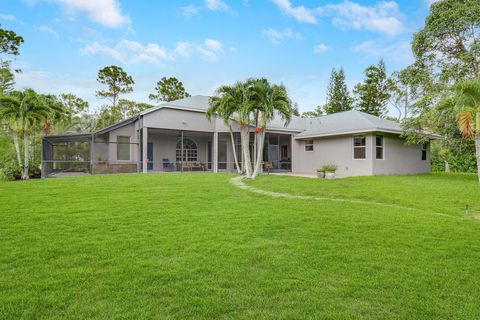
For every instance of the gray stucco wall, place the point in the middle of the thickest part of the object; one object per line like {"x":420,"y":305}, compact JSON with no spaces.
{"x":400,"y":158}
{"x":178,"y":120}
{"x":129,"y":131}
{"x":331,"y":150}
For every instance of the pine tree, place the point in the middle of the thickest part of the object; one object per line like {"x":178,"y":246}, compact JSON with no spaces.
{"x":338,"y":96}
{"x":375,"y":91}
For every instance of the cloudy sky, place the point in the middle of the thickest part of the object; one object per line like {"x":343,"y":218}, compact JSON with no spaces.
{"x":206,"y":43}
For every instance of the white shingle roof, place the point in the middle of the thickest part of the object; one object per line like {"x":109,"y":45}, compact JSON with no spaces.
{"x":329,"y":125}
{"x":347,"y":122}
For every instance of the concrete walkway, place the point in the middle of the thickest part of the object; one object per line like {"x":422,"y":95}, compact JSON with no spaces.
{"x":238,"y":182}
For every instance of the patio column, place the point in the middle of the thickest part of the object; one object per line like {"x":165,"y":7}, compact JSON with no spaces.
{"x":215,"y":152}
{"x":181,"y":150}
{"x":144,"y":150}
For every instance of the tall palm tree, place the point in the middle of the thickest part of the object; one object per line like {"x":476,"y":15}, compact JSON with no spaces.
{"x":233,"y":102}
{"x":24,"y":112}
{"x":269,"y":101}
{"x":468,"y":102}
{"x":224,"y":105}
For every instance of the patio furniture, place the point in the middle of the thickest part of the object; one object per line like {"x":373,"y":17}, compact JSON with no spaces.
{"x":267,"y":166}
{"x":191,"y":166}
{"x":167,"y":165}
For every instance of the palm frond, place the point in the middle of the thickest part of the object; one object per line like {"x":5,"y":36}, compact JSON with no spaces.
{"x":465,"y":124}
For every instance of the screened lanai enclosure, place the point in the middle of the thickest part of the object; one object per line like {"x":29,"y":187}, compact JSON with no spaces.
{"x":166,"y":151}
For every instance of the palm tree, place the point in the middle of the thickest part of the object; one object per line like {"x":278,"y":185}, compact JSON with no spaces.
{"x":24,"y":112}
{"x":268,"y":102}
{"x":468,"y":103}
{"x":233,"y":102}
{"x":225,"y":103}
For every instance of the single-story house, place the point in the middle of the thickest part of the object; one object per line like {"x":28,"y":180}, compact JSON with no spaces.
{"x":176,"y":136}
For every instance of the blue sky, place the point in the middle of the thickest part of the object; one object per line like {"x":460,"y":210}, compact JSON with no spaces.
{"x":206,"y":43}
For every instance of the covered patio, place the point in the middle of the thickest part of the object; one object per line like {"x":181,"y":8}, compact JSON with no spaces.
{"x":154,"y":150}
{"x":179,"y":150}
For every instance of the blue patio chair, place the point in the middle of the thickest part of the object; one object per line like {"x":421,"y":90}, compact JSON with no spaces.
{"x":167,"y":165}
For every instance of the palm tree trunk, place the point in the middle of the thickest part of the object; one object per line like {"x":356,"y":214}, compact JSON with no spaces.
{"x":260,"y":144}
{"x":246,"y":150}
{"x":25,"y":157}
{"x":16,"y":143}
{"x":234,"y":151}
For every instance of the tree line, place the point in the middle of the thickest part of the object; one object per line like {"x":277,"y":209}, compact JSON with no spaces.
{"x":438,"y":93}
{"x":26,"y":115}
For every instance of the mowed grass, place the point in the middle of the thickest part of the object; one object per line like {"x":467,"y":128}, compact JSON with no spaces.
{"x":454,"y":194}
{"x":193,"y":246}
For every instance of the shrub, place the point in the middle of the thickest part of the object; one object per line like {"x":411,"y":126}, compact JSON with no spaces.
{"x":9,"y":167}
{"x":329,"y":168}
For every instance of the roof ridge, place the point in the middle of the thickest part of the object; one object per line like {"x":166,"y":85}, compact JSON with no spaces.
{"x":364,"y":114}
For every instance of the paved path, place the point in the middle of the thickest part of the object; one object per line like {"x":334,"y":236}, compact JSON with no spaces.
{"x":238,"y":182}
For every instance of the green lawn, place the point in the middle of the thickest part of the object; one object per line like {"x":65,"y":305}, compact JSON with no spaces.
{"x":193,"y":246}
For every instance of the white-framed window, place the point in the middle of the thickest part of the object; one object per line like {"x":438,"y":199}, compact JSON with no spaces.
{"x":424,"y":151}
{"x":359,"y":147}
{"x":190,"y":151}
{"x":379,"y":147}
{"x":309,"y":145}
{"x":123,"y":148}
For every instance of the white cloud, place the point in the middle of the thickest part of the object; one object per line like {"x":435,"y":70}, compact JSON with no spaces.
{"x":104,"y":50}
{"x":211,"y":5}
{"x":129,"y":52}
{"x":213,"y":45}
{"x":184,"y":49}
{"x":300,"y":13}
{"x":190,"y":10}
{"x":384,"y":17}
{"x":49,"y":30}
{"x":8,"y":17}
{"x":210,"y":49}
{"x":321,"y":48}
{"x":216,"y":5}
{"x":399,"y":52}
{"x":278,"y":36}
{"x":105,"y":12}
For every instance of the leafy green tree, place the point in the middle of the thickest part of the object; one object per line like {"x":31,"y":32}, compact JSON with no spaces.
{"x":450,"y":40}
{"x":10,"y":44}
{"x":108,"y":115}
{"x":375,"y":91}
{"x":468,"y":103}
{"x":338,"y":95}
{"x":447,"y":51}
{"x":118,"y":82}
{"x":74,"y":104}
{"x":313,"y":114}
{"x":130,"y":108}
{"x":7,"y":78}
{"x":169,"y":89}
